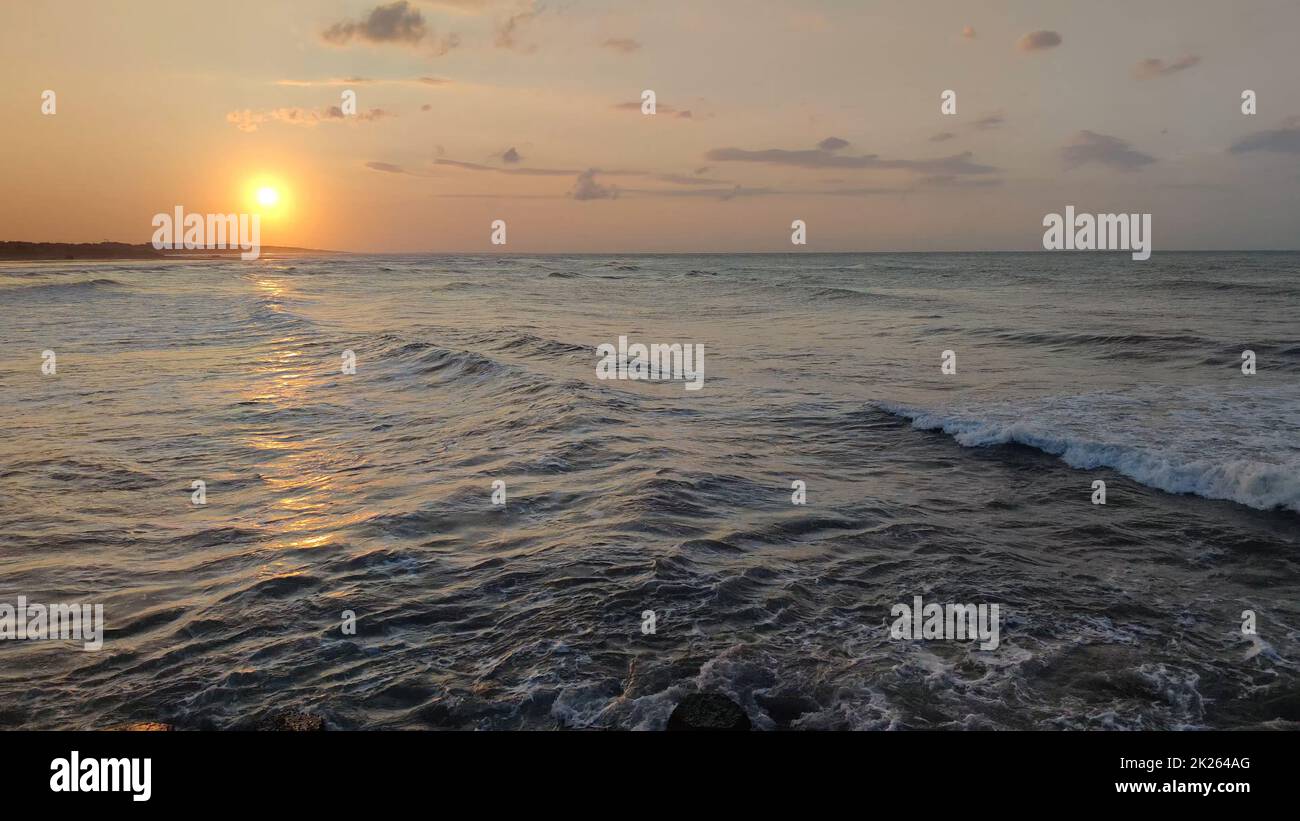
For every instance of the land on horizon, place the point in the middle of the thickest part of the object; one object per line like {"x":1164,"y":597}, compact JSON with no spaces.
{"x":55,"y":251}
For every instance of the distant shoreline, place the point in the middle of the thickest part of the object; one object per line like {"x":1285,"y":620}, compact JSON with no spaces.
{"x":64,"y":251}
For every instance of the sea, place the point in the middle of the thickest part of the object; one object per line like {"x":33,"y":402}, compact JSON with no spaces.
{"x":470,"y":529}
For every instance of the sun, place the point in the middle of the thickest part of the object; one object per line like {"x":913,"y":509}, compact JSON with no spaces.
{"x":269,"y":195}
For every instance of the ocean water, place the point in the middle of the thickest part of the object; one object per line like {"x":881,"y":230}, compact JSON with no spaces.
{"x":371,"y":492}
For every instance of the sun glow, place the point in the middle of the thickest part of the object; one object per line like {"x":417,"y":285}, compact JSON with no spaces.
{"x":267,"y":196}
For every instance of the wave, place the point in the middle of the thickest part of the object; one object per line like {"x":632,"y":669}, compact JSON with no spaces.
{"x":63,"y":287}
{"x":1230,"y":446}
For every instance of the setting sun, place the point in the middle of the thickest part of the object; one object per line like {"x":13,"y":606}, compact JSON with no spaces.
{"x":267,"y":196}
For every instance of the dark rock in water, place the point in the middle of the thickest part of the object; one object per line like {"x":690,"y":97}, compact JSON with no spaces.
{"x":293,"y":723}
{"x":785,"y":709}
{"x":708,"y":711}
{"x":144,"y":727}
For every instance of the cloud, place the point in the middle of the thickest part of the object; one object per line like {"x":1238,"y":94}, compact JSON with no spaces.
{"x":681,"y":179}
{"x":968,"y":32}
{"x":394,"y":23}
{"x":951,"y":181}
{"x":1038,"y":40}
{"x":249,"y":120}
{"x":625,"y":45}
{"x":942,"y":136}
{"x":1153,"y":67}
{"x":510,"y":156}
{"x":365,"y":81}
{"x":507,"y":30}
{"x":991,"y":121}
{"x":1091,"y":147}
{"x":832,"y":144}
{"x":585,"y":187}
{"x":819,"y":158}
{"x":660,"y":108}
{"x":336,"y":81}
{"x":386,"y":167}
{"x":525,"y":172}
{"x":1284,"y":140}
{"x":460,"y":6}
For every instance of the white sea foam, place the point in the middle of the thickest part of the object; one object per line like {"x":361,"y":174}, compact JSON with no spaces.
{"x":1241,"y":444}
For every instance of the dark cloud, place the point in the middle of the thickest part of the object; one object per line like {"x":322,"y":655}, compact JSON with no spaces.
{"x":386,"y":167}
{"x":832,"y":144}
{"x":1091,"y":147}
{"x":394,"y":23}
{"x":1284,"y":140}
{"x":1153,"y":67}
{"x":585,"y":187}
{"x":942,"y":136}
{"x":510,"y":156}
{"x":624,"y":44}
{"x":991,"y":121}
{"x":818,"y":158}
{"x":1039,"y":40}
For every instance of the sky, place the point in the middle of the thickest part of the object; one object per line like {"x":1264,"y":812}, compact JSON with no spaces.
{"x":529,"y":111}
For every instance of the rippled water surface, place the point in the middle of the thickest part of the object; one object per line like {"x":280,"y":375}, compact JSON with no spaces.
{"x":371,"y":492}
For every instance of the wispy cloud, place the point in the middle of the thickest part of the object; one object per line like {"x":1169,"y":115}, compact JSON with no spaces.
{"x":1090,"y":147}
{"x":524,"y":172}
{"x":386,"y":167}
{"x":365,"y":81}
{"x":509,"y":29}
{"x":820,"y":158}
{"x":250,"y":120}
{"x":660,"y":108}
{"x":460,"y":6}
{"x":626,"y":45}
{"x":1153,"y":67}
{"x":1038,"y":41}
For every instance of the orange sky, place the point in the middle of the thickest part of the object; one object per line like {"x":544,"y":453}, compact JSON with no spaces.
{"x":1135,"y":109}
